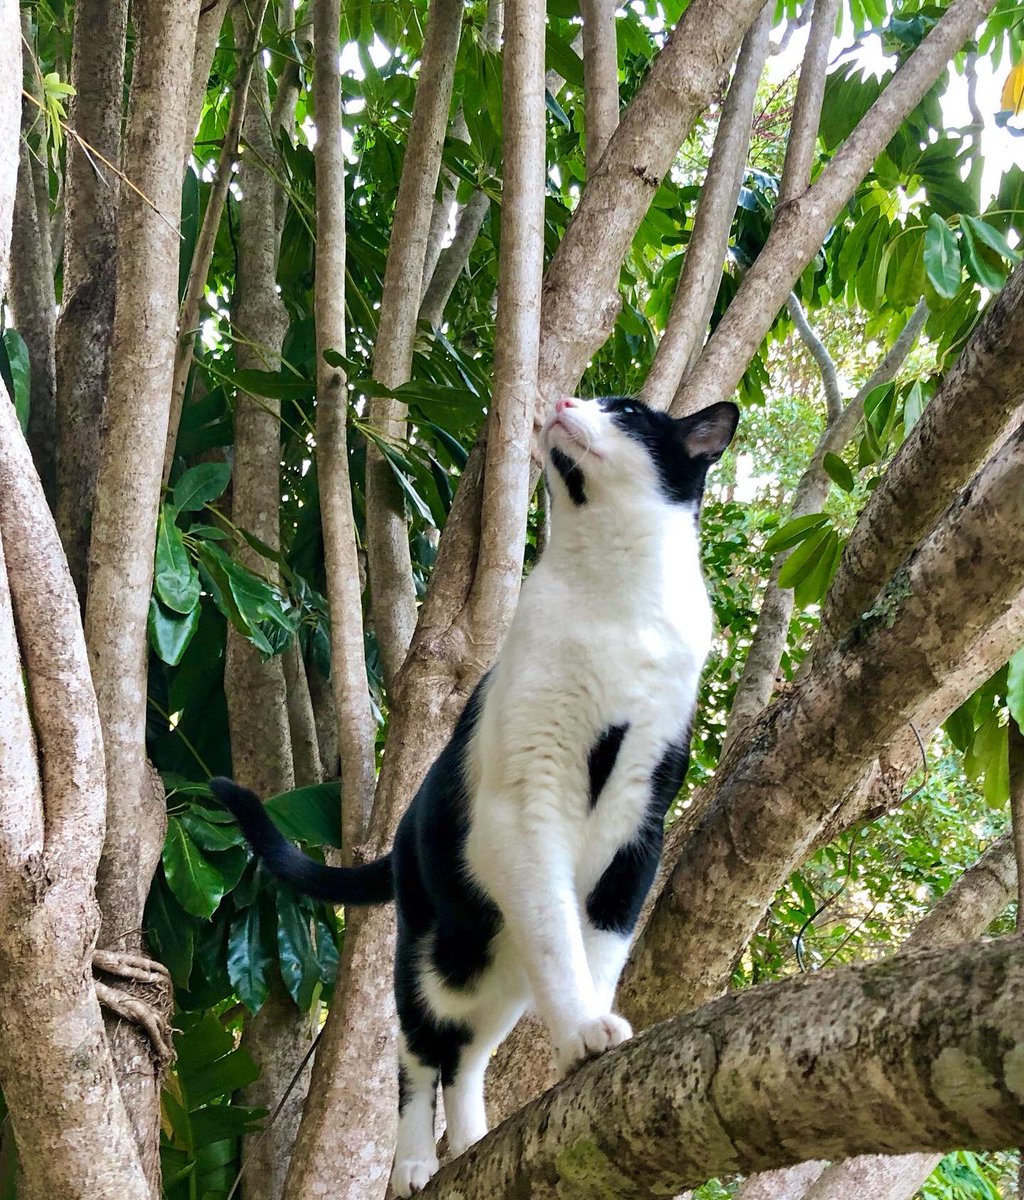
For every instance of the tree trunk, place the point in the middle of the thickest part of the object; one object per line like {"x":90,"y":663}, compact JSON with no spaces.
{"x":127,"y":501}
{"x":91,"y":197}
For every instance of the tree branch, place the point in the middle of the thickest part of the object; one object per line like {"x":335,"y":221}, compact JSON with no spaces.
{"x":822,"y":1066}
{"x":202,"y":254}
{"x":600,"y":77}
{"x":803,"y":128}
{"x":701,"y":276}
{"x":392,"y":593}
{"x":801,"y":225}
{"x":355,"y":722}
{"x":819,"y":352}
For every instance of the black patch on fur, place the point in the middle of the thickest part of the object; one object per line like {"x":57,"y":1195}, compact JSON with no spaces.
{"x":573,"y":478}
{"x":601,"y":759}
{"x":444,"y":919}
{"x":614,"y":904}
{"x":682,"y":477}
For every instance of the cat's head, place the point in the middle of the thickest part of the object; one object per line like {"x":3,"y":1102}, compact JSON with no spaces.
{"x":617,"y":449}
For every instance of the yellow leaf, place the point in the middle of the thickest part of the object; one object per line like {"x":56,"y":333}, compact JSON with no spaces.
{"x":1012,"y":98}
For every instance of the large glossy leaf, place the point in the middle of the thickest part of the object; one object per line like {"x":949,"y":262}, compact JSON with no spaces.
{"x":299,"y":968}
{"x":793,"y":532}
{"x":1015,"y":687}
{"x":838,"y":471}
{"x":201,"y":485}
{"x":251,"y":953}
{"x":16,"y":372}
{"x":309,"y":814}
{"x":170,"y":931}
{"x":170,"y":632}
{"x":804,"y":558}
{"x":196,"y":883}
{"x":175,"y":579}
{"x":942,"y":257}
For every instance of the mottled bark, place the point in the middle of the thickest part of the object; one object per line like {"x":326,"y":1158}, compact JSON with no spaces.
{"x":301,"y":720}
{"x":779,"y":785}
{"x":30,"y":293}
{"x":600,"y":77}
{"x":355,"y":731}
{"x":392,"y":594}
{"x":979,"y":395}
{"x":127,"y":500}
{"x":452,"y":260}
{"x":699,"y":281}
{"x":921,"y":1052}
{"x":92,"y":194}
{"x":56,"y":1070}
{"x":801,"y":225}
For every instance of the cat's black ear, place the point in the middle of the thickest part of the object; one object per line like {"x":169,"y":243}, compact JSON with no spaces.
{"x":706,"y":433}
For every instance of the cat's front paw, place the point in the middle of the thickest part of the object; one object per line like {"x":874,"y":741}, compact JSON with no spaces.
{"x":592,"y":1038}
{"x":411,"y":1175}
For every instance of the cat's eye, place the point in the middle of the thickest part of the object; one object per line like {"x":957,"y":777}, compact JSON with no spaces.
{"x":627,"y":408}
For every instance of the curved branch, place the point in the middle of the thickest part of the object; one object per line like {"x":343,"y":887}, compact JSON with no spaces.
{"x":801,"y":225}
{"x":820,"y":1066}
{"x":701,"y":276}
{"x":819,"y":352}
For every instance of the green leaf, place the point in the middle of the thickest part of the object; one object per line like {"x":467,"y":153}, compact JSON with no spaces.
{"x":170,"y":931}
{"x":309,"y":814}
{"x":838,"y":471}
{"x":170,"y":632}
{"x":299,"y":968}
{"x":813,"y":586}
{"x":987,"y":235}
{"x":250,"y":957}
{"x":959,"y":725}
{"x":913,"y":407}
{"x":556,"y":110}
{"x":1015,"y":687}
{"x":216,"y":1122}
{"x":804,"y":558}
{"x":200,"y":485}
{"x":175,"y":579}
{"x":211,"y":835}
{"x":989,"y":274}
{"x":196,"y":883}
{"x":222,"y":1077}
{"x":997,"y":770}
{"x":274,"y":385}
{"x":942,"y":257}
{"x":793,"y":532}
{"x":16,"y":373}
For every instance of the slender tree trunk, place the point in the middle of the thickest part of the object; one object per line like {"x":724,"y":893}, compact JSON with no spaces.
{"x":127,"y":500}
{"x":301,"y":720}
{"x":92,"y":194}
{"x":392,"y":594}
{"x":31,"y":287}
{"x":701,"y":276}
{"x":600,"y":77}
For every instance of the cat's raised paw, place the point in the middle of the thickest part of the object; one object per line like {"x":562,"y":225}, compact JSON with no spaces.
{"x":592,"y":1038}
{"x":411,"y":1175}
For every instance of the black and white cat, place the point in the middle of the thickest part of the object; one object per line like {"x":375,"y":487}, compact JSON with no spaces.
{"x":521,"y":865}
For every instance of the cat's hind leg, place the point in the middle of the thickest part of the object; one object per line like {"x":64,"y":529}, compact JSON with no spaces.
{"x":415,"y":1153}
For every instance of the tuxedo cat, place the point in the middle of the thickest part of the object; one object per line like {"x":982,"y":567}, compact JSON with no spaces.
{"x":521,"y":865}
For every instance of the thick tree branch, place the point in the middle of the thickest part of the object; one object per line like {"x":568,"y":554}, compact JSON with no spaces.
{"x":83,"y":335}
{"x":777,"y":788}
{"x":600,"y":77}
{"x":356,"y":726}
{"x":392,"y":594}
{"x":921,"y":1052}
{"x":803,"y":128}
{"x":976,"y":400}
{"x":202,"y":254}
{"x":698,"y":285}
{"x":801,"y":225}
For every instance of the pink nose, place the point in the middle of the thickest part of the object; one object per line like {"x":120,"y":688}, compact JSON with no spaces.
{"x":566,"y":402}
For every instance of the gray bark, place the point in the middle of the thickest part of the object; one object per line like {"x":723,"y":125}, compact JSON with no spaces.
{"x":92,"y":195}
{"x":921,"y":1052}
{"x":600,"y":77}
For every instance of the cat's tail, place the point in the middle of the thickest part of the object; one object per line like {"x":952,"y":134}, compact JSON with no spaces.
{"x":369,"y":884}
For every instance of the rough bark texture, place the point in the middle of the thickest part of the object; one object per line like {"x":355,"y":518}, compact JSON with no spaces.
{"x":978,"y":396}
{"x":56,"y":1070}
{"x":921,"y":1052}
{"x":698,"y":285}
{"x":30,"y":294}
{"x":356,"y":729}
{"x":801,"y":225}
{"x":761,"y":666}
{"x":600,"y":77}
{"x":127,"y":499}
{"x":392,"y":594}
{"x":211,"y":19}
{"x":776,"y":789}
{"x":92,"y":194}
{"x":963,"y":913}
